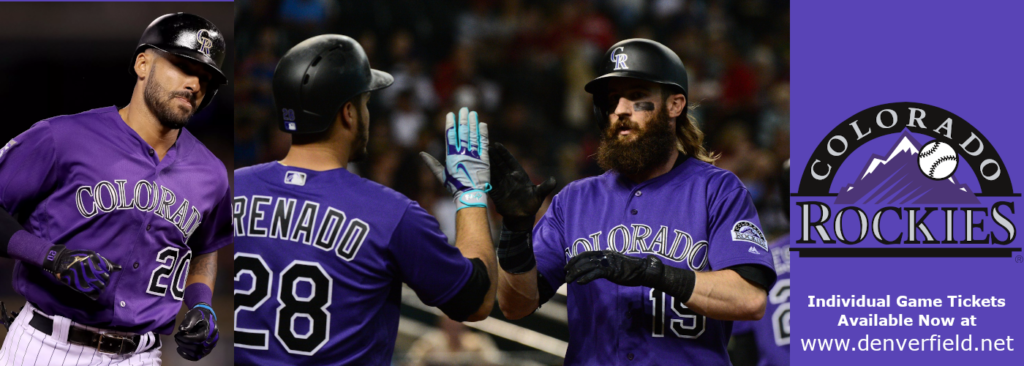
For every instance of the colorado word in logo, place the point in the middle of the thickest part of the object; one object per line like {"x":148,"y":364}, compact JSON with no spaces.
{"x":905,"y":180}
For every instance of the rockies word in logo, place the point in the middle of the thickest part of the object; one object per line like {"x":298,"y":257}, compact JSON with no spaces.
{"x":205,"y":43}
{"x":889,"y":197}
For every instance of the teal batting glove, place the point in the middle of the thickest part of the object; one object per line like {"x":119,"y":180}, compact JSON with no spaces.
{"x":466,"y":171}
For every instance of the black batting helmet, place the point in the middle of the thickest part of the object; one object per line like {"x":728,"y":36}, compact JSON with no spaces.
{"x":189,"y":36}
{"x":639,"y":59}
{"x":317,"y":77}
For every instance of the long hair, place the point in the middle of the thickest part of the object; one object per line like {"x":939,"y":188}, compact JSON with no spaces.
{"x":690,"y":139}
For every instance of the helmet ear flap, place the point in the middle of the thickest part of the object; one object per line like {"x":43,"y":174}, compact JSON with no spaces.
{"x":600,"y":116}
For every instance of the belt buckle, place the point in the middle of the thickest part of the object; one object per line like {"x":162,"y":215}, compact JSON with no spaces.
{"x":99,"y":344}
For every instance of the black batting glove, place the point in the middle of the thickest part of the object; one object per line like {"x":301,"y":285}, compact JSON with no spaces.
{"x":613,"y":266}
{"x":84,"y":271}
{"x":515,"y":197}
{"x":624,"y":270}
{"x":197,"y":334}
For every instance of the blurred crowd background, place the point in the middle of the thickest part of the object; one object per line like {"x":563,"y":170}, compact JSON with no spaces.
{"x":55,"y":61}
{"x":522,"y":65}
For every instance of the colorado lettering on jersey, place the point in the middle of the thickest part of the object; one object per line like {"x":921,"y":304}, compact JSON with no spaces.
{"x":633,"y":239}
{"x":250,"y":218}
{"x":105,"y":197}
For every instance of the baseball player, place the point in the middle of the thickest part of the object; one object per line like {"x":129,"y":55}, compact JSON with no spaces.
{"x":321,"y":253}
{"x":661,"y":252}
{"x":123,"y":211}
{"x":771,"y":333}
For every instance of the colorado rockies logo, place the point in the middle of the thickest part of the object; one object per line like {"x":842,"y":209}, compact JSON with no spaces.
{"x":917,"y":174}
{"x":619,"y":58}
{"x":205,"y":43}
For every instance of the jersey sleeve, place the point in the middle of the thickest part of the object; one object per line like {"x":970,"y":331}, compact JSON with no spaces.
{"x":435,"y":270}
{"x":742,"y":327}
{"x":734,"y":229}
{"x":214,"y":232}
{"x":548,"y":244}
{"x":26,"y":167}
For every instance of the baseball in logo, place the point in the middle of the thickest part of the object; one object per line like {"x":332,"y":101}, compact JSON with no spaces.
{"x":905,"y":180}
{"x":937,"y":160}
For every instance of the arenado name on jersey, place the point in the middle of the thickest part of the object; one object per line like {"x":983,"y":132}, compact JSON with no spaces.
{"x":249,"y":218}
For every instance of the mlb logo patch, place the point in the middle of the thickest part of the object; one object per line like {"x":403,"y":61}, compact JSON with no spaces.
{"x":295,"y":178}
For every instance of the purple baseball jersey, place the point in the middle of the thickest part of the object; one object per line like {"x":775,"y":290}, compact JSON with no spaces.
{"x":320,"y":257}
{"x":696,"y":216}
{"x":88,"y":181}
{"x":771,"y":333}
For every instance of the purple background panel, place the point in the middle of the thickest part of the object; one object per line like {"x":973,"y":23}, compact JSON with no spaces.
{"x":959,"y":57}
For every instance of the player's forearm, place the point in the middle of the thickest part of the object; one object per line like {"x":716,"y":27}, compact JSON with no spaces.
{"x":473,"y":239}
{"x":16,"y":243}
{"x":724,"y":295}
{"x":518,"y":295}
{"x":203,"y":270}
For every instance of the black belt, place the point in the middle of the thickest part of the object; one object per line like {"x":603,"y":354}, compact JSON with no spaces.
{"x":105,"y":343}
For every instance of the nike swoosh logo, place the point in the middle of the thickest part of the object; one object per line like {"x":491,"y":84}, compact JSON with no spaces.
{"x":464,"y":170}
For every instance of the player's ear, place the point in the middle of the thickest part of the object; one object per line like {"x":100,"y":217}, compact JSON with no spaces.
{"x":675,"y":103}
{"x":349,"y":114}
{"x":144,"y":63}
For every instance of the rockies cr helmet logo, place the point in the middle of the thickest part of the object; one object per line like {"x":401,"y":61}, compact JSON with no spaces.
{"x":619,"y":58}
{"x":205,"y":43}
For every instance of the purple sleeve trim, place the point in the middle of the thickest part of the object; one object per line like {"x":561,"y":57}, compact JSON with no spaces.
{"x":198,"y":293}
{"x":28,"y":248}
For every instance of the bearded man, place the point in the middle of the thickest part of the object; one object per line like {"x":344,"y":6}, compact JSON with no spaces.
{"x":661,"y":252}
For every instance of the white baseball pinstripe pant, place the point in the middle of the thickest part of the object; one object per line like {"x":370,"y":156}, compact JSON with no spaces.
{"x":25,"y":345}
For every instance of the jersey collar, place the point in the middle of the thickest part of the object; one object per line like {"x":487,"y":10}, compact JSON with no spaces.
{"x":182,"y":144}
